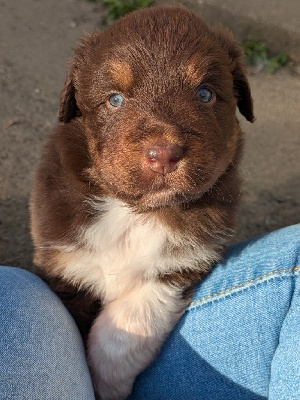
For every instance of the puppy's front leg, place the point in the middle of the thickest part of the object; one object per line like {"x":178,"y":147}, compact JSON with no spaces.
{"x":127,"y":335}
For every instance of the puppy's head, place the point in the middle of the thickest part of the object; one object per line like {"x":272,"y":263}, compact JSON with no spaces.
{"x":157,"y":95}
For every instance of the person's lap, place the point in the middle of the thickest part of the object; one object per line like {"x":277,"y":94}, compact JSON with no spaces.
{"x":41,"y":351}
{"x":239,"y":338}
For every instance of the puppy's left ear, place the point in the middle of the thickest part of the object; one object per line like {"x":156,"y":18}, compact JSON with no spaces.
{"x":239,"y":72}
{"x":68,"y":107}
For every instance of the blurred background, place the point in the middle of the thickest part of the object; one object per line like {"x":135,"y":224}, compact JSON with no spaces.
{"x":36,"y":41}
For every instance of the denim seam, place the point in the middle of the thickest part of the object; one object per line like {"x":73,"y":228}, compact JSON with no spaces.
{"x":285,"y":273}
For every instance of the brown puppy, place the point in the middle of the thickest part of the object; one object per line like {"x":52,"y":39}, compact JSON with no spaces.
{"x":135,"y":195}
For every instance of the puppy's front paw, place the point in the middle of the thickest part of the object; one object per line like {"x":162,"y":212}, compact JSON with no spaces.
{"x":105,"y":391}
{"x":116,"y":356}
{"x":128,"y":334}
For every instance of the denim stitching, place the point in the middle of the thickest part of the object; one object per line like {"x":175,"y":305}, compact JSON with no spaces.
{"x":253,"y":282}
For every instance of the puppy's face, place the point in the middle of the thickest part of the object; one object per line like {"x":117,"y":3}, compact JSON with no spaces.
{"x":158,"y":93}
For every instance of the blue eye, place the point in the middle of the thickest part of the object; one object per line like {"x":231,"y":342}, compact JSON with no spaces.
{"x":116,"y":100}
{"x":205,"y":95}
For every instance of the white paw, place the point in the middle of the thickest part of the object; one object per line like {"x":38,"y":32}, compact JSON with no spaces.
{"x":115,"y":358}
{"x":128,"y":334}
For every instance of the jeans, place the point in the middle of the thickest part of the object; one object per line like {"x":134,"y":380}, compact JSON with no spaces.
{"x":238,"y":340}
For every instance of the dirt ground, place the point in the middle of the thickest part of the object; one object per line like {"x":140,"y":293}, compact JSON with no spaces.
{"x":35,"y":44}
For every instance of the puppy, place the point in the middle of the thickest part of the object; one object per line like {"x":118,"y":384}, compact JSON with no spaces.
{"x":136,"y":191}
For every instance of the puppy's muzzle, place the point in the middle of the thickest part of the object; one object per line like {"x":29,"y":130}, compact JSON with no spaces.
{"x":163,"y":159}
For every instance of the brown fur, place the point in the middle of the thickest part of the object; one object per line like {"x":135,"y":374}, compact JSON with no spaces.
{"x":157,"y":59}
{"x":81,"y":304}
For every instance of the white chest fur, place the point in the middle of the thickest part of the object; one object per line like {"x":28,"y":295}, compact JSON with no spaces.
{"x":121,"y":249}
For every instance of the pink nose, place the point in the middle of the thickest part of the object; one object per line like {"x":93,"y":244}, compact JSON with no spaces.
{"x":163,"y":159}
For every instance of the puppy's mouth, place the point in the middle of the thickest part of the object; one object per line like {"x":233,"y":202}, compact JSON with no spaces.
{"x":166,"y":198}
{"x":149,"y":191}
{"x":164,"y":192}
{"x":160,"y":193}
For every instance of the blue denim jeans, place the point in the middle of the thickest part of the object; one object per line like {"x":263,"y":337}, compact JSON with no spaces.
{"x":238,"y":340}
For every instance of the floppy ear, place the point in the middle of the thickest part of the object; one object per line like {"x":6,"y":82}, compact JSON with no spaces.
{"x":242,"y":90}
{"x":239,"y":72}
{"x":68,"y":106}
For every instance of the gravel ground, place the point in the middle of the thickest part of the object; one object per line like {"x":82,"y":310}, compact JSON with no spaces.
{"x":35,"y":44}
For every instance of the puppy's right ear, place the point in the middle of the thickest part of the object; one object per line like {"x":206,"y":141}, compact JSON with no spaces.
{"x":68,"y":106}
{"x":239,"y":72}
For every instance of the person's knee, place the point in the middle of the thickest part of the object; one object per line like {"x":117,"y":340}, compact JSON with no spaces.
{"x":18,"y":279}
{"x":18,"y":285}
{"x":40,"y":342}
{"x":24,"y":296}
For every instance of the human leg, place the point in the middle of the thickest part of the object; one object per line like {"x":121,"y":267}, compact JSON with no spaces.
{"x":239,"y":339}
{"x":41,"y":352}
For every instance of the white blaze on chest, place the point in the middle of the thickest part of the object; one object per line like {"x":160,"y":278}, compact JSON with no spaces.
{"x":127,"y":246}
{"x":125,"y":238}
{"x":121,"y":248}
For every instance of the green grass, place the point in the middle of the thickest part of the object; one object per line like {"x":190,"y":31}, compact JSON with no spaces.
{"x":258,"y":56}
{"x":119,"y":8}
